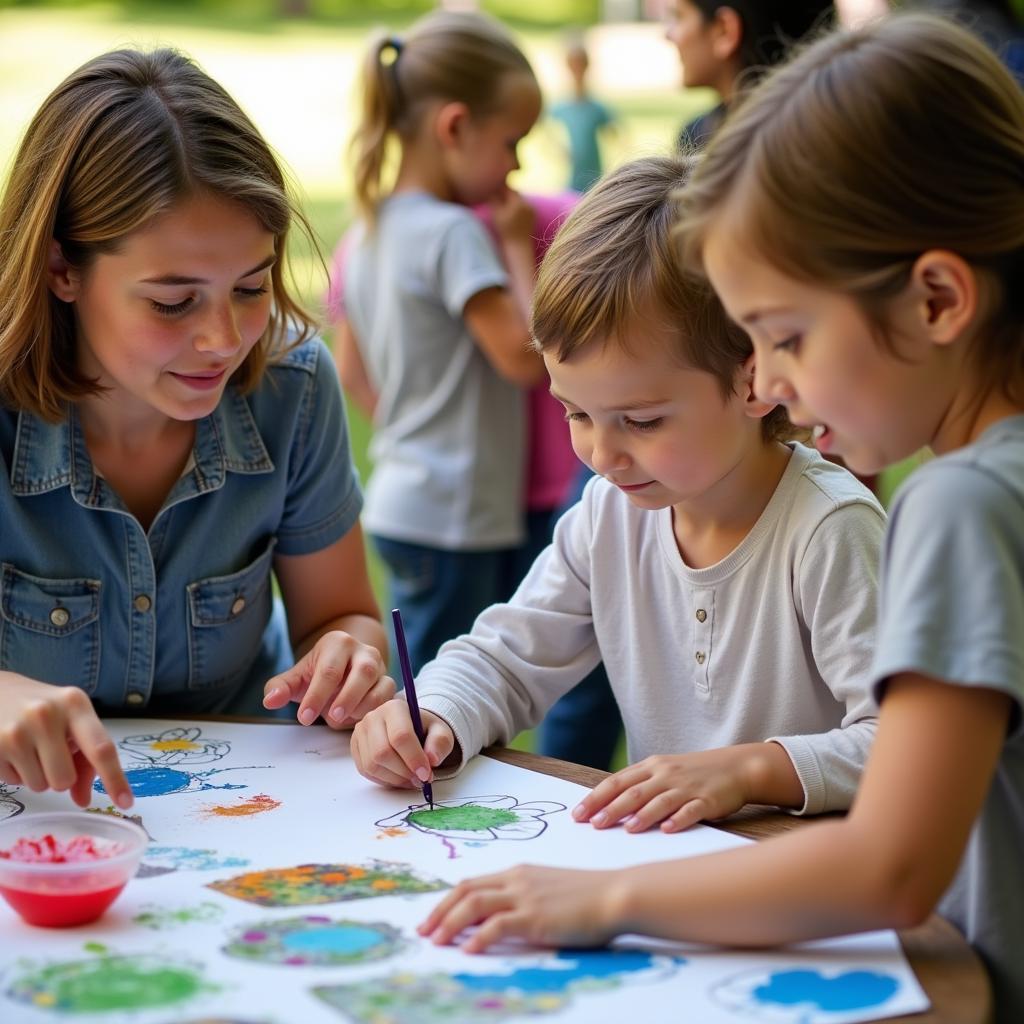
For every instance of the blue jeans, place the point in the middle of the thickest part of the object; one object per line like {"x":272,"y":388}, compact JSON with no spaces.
{"x":584,"y":725}
{"x":440,"y":592}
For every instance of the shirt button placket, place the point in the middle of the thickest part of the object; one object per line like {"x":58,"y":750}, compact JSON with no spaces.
{"x":703,"y":606}
{"x":142,"y":644}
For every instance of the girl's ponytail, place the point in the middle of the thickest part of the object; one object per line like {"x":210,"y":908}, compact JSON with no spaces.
{"x":380,"y":105}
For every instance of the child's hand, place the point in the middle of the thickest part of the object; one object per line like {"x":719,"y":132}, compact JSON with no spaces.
{"x":52,"y":738}
{"x":339,"y":678}
{"x":385,"y":748}
{"x":544,"y":906}
{"x":514,"y":218}
{"x":675,"y":790}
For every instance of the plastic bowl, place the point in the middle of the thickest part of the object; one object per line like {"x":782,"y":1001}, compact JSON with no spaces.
{"x":57,"y":894}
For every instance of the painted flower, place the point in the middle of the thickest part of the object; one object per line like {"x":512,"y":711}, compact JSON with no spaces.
{"x":476,"y":818}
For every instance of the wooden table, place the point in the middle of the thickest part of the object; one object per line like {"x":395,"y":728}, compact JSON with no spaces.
{"x":947,"y":968}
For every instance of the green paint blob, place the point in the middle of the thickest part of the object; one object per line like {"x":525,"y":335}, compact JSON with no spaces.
{"x":108,"y":984}
{"x":467,"y":818}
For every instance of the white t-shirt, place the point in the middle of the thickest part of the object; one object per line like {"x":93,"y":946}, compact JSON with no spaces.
{"x":449,"y":433}
{"x":773,"y":641}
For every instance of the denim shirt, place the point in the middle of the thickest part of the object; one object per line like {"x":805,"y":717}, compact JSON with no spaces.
{"x":177,"y":618}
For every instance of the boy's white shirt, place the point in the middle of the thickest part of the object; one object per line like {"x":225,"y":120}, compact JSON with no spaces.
{"x":773,"y":642}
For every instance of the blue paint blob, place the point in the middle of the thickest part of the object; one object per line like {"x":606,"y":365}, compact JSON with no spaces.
{"x":851,"y":990}
{"x":342,"y":939}
{"x":583,"y":964}
{"x":153,"y":781}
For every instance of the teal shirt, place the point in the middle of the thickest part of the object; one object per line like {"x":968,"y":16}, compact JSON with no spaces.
{"x":583,"y":120}
{"x":176,"y":618}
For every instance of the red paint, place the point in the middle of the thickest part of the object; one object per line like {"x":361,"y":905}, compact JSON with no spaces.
{"x":60,"y":909}
{"x":49,"y":850}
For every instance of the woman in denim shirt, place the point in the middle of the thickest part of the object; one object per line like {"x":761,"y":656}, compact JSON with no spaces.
{"x":169,"y":434}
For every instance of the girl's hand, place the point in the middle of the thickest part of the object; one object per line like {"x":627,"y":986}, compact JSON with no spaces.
{"x":339,"y":678}
{"x":544,"y":906}
{"x":514,"y":218}
{"x":385,"y":748}
{"x":52,"y":738}
{"x":677,"y":790}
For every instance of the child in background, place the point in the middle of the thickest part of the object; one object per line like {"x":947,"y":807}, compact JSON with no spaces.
{"x":551,"y":463}
{"x":169,"y":434}
{"x":727,"y":578}
{"x":437,"y":324}
{"x":884,"y":302}
{"x":583,"y":118}
{"x":721,"y":46}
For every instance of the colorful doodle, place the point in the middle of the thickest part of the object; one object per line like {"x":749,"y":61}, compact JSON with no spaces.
{"x":162,"y":860}
{"x":10,"y":805}
{"x":314,"y":941}
{"x":311,"y":884}
{"x":473,"y":820}
{"x":807,"y":994}
{"x":108,"y":983}
{"x":159,"y":918}
{"x":546,"y":988}
{"x":175,"y":746}
{"x":113,"y":812}
{"x":258,"y":804}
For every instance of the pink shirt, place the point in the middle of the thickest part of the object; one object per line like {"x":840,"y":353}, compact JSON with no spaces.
{"x":551,"y":462}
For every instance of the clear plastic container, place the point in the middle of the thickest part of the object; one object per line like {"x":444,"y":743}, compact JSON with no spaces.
{"x":57,"y":893}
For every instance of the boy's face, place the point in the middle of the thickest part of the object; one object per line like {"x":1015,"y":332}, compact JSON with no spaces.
{"x":661,"y":432}
{"x":816,"y":353}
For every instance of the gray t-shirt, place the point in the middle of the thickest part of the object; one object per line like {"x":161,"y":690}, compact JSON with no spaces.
{"x":774,"y":641}
{"x":449,"y":440}
{"x":952,"y":607}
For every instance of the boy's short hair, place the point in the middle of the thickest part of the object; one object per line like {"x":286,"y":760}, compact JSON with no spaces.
{"x":614,"y":260}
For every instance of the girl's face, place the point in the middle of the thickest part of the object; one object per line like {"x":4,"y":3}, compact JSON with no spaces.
{"x":661,"y":432}
{"x":816,"y":353}
{"x":164,"y":321}
{"x":485,"y":152}
{"x":690,"y":32}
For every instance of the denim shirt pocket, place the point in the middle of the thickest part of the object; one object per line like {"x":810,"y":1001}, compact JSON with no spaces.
{"x":226,"y":621}
{"x":50,"y":628}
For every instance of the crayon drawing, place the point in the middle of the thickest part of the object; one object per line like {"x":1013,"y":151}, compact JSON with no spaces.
{"x":314,"y":941}
{"x":807,"y":994}
{"x":164,"y":860}
{"x":472,"y":820}
{"x":10,"y":805}
{"x":311,"y":884}
{"x":161,"y":753}
{"x":245,"y":808}
{"x":160,"y":918}
{"x":524,"y":992}
{"x":107,"y":983}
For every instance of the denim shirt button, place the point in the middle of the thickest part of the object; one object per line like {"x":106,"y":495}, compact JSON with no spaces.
{"x":142,"y":603}
{"x":135,"y":698}
{"x":60,"y":616}
{"x":237,"y":606}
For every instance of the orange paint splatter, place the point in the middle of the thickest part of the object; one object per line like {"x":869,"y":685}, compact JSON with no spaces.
{"x":254,"y":805}
{"x":391,"y":833}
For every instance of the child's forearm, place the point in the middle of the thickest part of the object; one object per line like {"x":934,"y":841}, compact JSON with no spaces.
{"x":806,"y":885}
{"x":771,"y":776}
{"x":519,"y":258}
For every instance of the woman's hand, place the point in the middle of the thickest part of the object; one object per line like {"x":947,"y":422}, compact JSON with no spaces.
{"x":385,"y":748}
{"x":52,"y":738}
{"x":339,"y":678}
{"x":543,"y":906}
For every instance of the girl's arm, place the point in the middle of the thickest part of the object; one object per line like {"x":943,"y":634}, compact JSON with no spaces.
{"x":336,"y":633}
{"x":355,"y":381}
{"x":885,"y":865}
{"x":500,"y":329}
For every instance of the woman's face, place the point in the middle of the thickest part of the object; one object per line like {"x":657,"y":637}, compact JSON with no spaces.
{"x":164,"y":321}
{"x":691,"y":33}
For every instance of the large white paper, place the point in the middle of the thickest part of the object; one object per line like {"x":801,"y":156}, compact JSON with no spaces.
{"x":328,"y":936}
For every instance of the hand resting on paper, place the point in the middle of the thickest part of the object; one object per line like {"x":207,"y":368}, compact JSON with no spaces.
{"x":385,"y":748}
{"x":676,"y":791}
{"x":543,"y":906}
